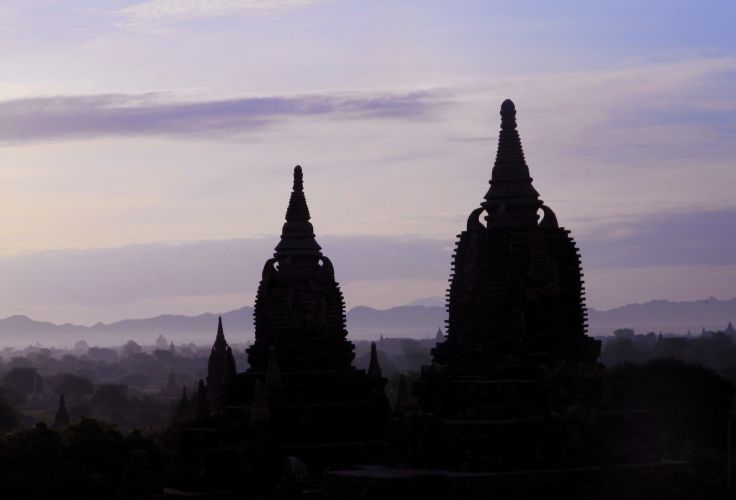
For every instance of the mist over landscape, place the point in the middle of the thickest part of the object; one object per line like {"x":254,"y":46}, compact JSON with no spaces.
{"x":417,"y":321}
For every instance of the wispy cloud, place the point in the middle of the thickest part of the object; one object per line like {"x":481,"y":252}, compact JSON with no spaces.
{"x":112,"y":276}
{"x":67,"y":117}
{"x":154,"y":13}
{"x":693,"y":238}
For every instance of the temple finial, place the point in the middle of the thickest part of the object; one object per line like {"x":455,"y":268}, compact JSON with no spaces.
{"x":508,"y":114}
{"x":298,"y":179}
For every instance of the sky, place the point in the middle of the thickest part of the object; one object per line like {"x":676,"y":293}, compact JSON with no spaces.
{"x":147,"y":146}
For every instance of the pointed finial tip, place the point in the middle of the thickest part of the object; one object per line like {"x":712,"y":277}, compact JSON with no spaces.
{"x":298,"y":176}
{"x":508,"y":115}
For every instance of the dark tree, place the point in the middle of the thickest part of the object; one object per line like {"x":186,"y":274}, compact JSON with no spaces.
{"x":112,"y":397}
{"x":8,"y":418}
{"x":73,"y":386}
{"x":24,"y":379}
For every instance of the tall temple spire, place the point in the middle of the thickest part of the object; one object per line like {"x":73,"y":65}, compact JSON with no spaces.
{"x":516,"y":291}
{"x":297,"y":234}
{"x":221,"y":365}
{"x":511,"y":185}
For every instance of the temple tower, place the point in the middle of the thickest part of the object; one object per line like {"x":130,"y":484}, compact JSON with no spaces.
{"x":301,"y":379}
{"x":221,"y":371}
{"x":299,"y":307}
{"x":516,"y":297}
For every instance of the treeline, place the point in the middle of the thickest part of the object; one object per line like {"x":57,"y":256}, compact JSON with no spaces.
{"x":135,"y":386}
{"x":716,"y":350}
{"x":131,"y":386}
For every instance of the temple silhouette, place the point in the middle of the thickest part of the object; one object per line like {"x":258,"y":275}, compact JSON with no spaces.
{"x":513,"y":405}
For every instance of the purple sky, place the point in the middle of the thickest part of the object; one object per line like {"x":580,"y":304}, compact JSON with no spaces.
{"x":146,"y":147}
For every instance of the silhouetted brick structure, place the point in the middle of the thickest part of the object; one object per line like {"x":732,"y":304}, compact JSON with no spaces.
{"x":516,"y":299}
{"x":514,"y":405}
{"x":299,"y":307}
{"x":318,"y":407}
{"x":301,"y":401}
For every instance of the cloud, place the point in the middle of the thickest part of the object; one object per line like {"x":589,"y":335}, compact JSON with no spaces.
{"x":683,"y":251}
{"x":697,"y":238}
{"x":68,"y":117}
{"x":153,"y":13}
{"x":104,"y":277}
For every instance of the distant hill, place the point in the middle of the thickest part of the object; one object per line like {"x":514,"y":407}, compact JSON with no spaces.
{"x":22,"y":331}
{"x":418,"y":321}
{"x":405,"y":321}
{"x":673,"y":317}
{"x":363,"y":323}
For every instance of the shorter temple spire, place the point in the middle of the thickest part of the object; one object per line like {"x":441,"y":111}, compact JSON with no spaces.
{"x":221,"y":365}
{"x":62,"y":417}
{"x":374,"y":369}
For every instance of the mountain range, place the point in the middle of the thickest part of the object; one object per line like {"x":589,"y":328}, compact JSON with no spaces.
{"x":414,"y":320}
